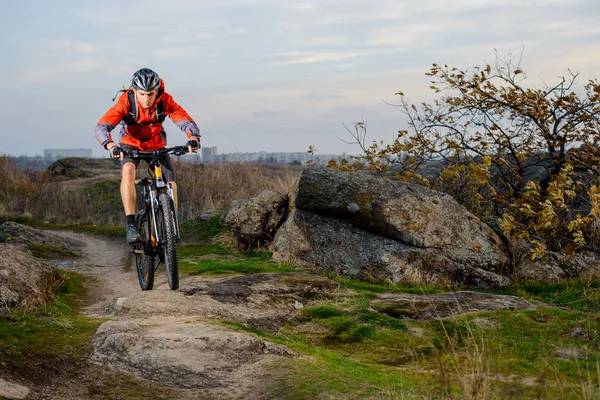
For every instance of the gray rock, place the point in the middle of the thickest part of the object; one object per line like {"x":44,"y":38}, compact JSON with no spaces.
{"x":262,"y":301}
{"x":24,"y":280}
{"x":408,"y":213}
{"x":556,"y":267}
{"x":310,"y":240}
{"x":579,"y":332}
{"x":179,"y":355}
{"x":207,"y":215}
{"x":14,"y":233}
{"x":568,"y":354}
{"x":10,"y":390}
{"x":430,"y":307}
{"x":254,"y":221}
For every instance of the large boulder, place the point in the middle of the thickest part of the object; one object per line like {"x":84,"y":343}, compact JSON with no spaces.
{"x":255,"y":220}
{"x":311,"y":240}
{"x":24,"y":280}
{"x":374,"y":228}
{"x":408,"y":213}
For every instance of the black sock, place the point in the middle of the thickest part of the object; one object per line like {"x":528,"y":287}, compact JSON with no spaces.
{"x":131,"y":219}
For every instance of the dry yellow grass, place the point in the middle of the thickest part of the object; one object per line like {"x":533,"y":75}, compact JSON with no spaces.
{"x":202,"y":187}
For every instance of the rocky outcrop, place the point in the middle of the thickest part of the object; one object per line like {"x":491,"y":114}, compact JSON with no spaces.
{"x":179,"y":353}
{"x":24,"y":280}
{"x":430,"y":307}
{"x":79,"y":167}
{"x":408,"y":213}
{"x":264,"y":301}
{"x":373,"y":228}
{"x":255,"y":220}
{"x":18,"y":234}
{"x":164,"y":336}
{"x":556,"y":267}
{"x":310,"y":240}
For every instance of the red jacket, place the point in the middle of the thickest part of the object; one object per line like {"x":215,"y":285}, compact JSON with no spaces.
{"x":147,"y":133}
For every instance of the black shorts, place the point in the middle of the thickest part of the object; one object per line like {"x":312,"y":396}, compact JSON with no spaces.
{"x":167,"y":165}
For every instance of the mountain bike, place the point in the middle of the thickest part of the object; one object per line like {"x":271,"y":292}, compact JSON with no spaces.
{"x":156,"y":219}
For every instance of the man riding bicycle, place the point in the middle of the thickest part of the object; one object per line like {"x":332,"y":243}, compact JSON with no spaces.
{"x":143,"y":130}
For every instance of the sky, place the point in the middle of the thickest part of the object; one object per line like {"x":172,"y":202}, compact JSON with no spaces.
{"x":266,"y":75}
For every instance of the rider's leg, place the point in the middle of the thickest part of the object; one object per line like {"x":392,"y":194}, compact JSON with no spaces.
{"x":128,"y":195}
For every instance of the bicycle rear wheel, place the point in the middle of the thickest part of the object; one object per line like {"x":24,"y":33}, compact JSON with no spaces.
{"x":166,"y":219}
{"x":144,"y":259}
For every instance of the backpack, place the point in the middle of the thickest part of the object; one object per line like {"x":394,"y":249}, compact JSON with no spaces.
{"x":132,"y":117}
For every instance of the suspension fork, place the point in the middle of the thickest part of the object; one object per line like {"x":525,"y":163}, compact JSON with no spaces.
{"x":175,"y":218}
{"x":153,"y":207}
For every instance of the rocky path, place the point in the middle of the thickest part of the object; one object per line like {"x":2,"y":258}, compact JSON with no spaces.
{"x":179,"y":344}
{"x":176,"y":339}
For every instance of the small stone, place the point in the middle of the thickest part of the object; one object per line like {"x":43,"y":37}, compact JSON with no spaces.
{"x":10,"y":390}
{"x":353,"y":208}
{"x":419,"y":332}
{"x":579,"y":332}
{"x":568,"y":354}
{"x":485,"y":323}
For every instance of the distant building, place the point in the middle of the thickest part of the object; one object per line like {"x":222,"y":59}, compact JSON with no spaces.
{"x":64,"y":153}
{"x":208,"y":152}
{"x":275,"y":158}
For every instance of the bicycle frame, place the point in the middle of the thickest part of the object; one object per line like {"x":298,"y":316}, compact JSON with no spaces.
{"x":151,"y":188}
{"x":157,"y":219}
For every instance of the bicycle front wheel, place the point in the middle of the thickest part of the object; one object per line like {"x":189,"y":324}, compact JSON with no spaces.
{"x":166,"y":218}
{"x":144,"y":258}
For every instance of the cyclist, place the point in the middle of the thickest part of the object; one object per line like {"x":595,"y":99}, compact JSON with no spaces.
{"x":143,"y":130}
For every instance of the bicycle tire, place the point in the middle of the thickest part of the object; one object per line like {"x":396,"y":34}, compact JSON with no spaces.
{"x":144,"y":261}
{"x":169,"y":249}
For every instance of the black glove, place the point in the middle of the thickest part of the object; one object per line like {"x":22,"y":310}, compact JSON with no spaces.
{"x":194,"y":142}
{"x":115,"y":152}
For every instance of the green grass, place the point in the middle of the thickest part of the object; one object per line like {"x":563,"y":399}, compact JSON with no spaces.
{"x":575,"y":294}
{"x":343,"y":335}
{"x":194,"y":230}
{"x":331,"y":374}
{"x":54,"y":330}
{"x":373,"y":289}
{"x":51,"y":252}
{"x":105,"y":193}
{"x":91,"y":229}
{"x":215,"y":259}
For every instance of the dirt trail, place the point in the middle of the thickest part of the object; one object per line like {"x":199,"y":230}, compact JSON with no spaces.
{"x":171,"y":338}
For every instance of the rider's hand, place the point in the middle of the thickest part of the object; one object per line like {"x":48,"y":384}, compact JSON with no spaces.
{"x":193,"y":144}
{"x":115,"y":151}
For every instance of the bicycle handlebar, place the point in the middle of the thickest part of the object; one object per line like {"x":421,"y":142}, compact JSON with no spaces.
{"x":176,"y":150}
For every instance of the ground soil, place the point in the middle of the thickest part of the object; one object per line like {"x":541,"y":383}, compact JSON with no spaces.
{"x":113,"y":293}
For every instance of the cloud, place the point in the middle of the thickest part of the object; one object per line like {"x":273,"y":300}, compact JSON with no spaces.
{"x":87,"y":67}
{"x":317,"y":96}
{"x":274,"y":114}
{"x":64,"y":46}
{"x":298,"y":57}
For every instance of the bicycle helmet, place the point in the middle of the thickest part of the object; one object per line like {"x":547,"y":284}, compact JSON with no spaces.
{"x":145,"y":79}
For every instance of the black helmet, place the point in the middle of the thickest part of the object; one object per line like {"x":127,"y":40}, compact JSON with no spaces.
{"x":145,"y":79}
